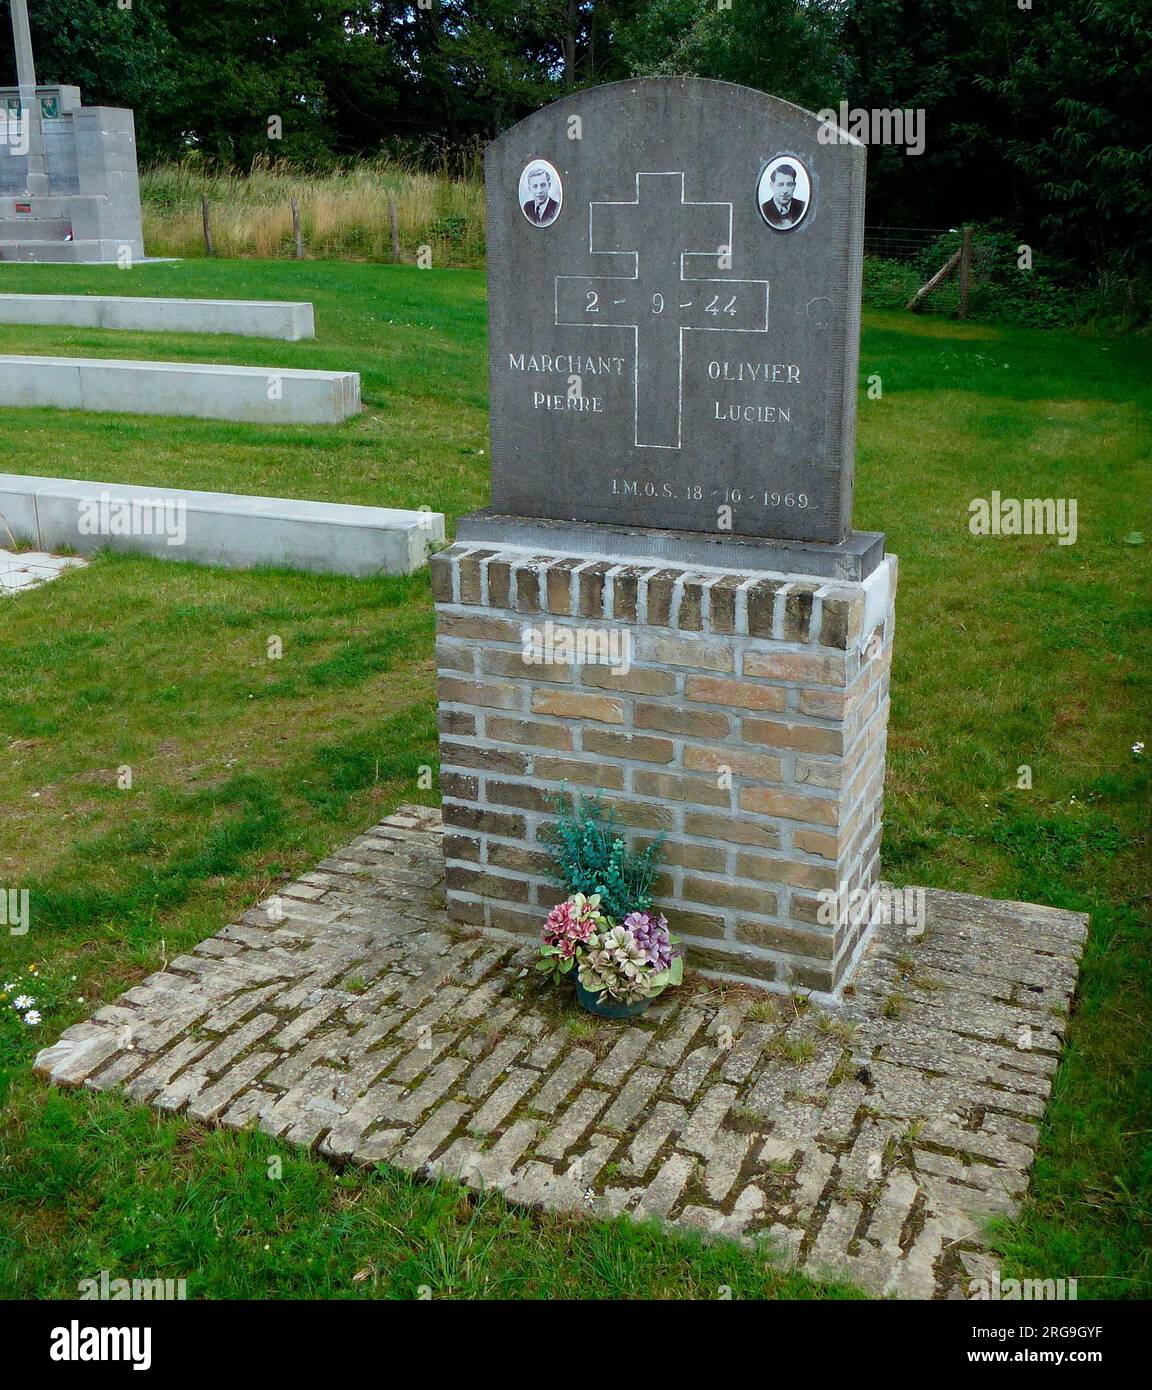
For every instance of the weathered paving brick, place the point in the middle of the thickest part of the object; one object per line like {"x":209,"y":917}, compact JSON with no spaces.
{"x":81,"y":1051}
{"x":629,"y":1050}
{"x":665,"y":1120}
{"x":663,"y":1192}
{"x":572,"y":1071}
{"x":507,"y":1094}
{"x":373,"y":1032}
{"x":434,"y":1085}
{"x":725,"y":1162}
{"x":700,"y":1133}
{"x":637,"y":1091}
{"x":692,"y":1071}
{"x":209,"y":1103}
{"x":573,"y":1123}
{"x":481,"y":1078}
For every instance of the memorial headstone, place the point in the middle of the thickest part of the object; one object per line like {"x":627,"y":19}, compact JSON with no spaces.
{"x":674,"y":299}
{"x":664,"y":353}
{"x":69,"y":188}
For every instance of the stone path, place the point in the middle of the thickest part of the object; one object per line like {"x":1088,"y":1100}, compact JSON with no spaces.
{"x":349,"y":1015}
{"x":26,"y":569}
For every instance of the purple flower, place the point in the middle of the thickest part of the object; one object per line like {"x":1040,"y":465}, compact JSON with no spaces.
{"x":650,"y":932}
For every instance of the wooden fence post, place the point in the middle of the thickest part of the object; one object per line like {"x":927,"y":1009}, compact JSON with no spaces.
{"x":394,"y":223}
{"x":209,"y":248}
{"x":297,"y":234}
{"x":965,"y":271}
{"x":926,"y":289}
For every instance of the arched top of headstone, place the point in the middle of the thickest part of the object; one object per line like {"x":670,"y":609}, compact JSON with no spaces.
{"x":674,"y":287}
{"x":647,"y":92}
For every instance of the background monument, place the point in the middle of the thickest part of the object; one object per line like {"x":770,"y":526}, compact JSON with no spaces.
{"x":69,"y":189}
{"x":674,"y":292}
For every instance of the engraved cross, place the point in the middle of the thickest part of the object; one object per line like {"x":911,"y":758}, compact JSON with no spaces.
{"x":671,"y":243}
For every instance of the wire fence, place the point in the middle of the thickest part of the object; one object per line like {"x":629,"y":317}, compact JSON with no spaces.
{"x":939,"y":264}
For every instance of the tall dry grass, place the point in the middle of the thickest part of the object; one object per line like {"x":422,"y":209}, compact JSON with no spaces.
{"x":343,"y":212}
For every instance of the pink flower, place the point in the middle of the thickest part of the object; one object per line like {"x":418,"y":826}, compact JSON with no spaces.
{"x":571,"y":923}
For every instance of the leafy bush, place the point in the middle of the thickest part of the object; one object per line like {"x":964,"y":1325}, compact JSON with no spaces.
{"x":593,"y":858}
{"x":1055,"y":293}
{"x":889,"y":284}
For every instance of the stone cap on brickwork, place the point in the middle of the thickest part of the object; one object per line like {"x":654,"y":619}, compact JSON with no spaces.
{"x":854,"y":558}
{"x":736,"y":603}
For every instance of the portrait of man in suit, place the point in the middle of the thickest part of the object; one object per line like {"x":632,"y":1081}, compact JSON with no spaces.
{"x":784,"y":194}
{"x":540,"y":193}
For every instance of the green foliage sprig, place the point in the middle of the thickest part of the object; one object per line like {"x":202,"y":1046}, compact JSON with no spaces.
{"x":592,"y":857}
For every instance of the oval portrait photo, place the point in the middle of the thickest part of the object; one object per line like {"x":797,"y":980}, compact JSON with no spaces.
{"x":784,"y":193}
{"x":541,"y":193}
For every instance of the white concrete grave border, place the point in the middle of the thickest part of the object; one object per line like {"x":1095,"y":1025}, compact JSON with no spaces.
{"x":216,"y":528}
{"x":245,"y":318}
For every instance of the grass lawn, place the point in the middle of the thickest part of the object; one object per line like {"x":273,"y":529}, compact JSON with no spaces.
{"x":1009,"y":652}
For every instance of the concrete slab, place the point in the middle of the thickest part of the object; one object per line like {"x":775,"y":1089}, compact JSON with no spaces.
{"x":29,"y":569}
{"x":248,"y":318}
{"x":218,"y":528}
{"x":260,"y":395}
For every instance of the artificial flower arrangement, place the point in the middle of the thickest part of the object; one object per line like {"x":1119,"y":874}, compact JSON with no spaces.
{"x":606,"y":933}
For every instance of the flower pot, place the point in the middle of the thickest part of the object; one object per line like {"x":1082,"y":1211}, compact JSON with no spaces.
{"x":610,"y":1008}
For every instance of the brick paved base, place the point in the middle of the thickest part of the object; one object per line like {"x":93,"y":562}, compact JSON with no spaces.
{"x":350,"y":1015}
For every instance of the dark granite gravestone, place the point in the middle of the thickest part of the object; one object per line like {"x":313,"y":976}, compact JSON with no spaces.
{"x":674,"y":304}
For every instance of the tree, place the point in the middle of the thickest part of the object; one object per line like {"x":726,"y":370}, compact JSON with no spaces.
{"x":116,"y":57}
{"x":783,"y":47}
{"x":240,"y":64}
{"x":933,"y":56}
{"x":1077,"y":133}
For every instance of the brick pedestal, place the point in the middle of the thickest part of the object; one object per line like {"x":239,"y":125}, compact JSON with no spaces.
{"x":750,"y":726}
